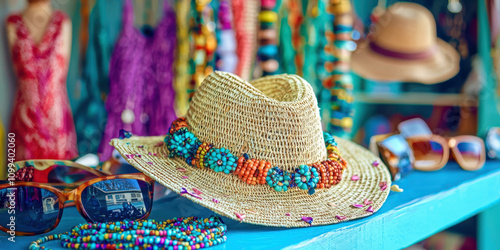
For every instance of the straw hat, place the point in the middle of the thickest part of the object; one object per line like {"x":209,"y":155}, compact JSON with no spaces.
{"x":404,"y":47}
{"x":275,"y":119}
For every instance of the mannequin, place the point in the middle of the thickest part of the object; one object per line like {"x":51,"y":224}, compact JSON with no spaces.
{"x":40,"y":42}
{"x":37,"y":16}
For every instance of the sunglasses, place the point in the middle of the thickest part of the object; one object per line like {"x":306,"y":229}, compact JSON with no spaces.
{"x":395,"y":152}
{"x":493,"y":143}
{"x":37,"y":208}
{"x":417,"y":148}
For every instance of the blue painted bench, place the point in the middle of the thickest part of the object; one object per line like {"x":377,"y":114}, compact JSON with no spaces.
{"x":430,"y":202}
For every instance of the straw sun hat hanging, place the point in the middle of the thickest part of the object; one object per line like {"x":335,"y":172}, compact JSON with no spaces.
{"x":403,"y":47}
{"x":274,"y":123}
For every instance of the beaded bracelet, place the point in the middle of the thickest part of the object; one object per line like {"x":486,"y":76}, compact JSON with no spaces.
{"x":177,"y":233}
{"x":181,"y":142}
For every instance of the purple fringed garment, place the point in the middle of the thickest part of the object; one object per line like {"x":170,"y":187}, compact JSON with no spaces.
{"x":141,"y":98}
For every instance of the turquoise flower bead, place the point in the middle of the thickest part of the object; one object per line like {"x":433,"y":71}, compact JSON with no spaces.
{"x":302,"y":177}
{"x":221,"y":160}
{"x":278,"y":179}
{"x":306,"y":178}
{"x":182,"y":143}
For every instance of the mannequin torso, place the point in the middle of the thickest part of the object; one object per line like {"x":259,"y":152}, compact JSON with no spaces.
{"x":37,"y":17}
{"x":40,"y":44}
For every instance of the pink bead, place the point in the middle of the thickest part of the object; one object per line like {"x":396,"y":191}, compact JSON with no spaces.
{"x":176,"y":248}
{"x":268,"y":4}
{"x":202,"y":245}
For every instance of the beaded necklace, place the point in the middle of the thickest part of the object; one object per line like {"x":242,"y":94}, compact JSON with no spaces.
{"x":314,"y":23}
{"x":182,"y":83}
{"x":226,"y":58}
{"x":181,"y":142}
{"x":176,"y":233}
{"x":245,"y":27}
{"x":205,"y":43}
{"x":268,"y":50}
{"x":295,"y":21}
{"x":325,"y":66}
{"x":340,"y":83}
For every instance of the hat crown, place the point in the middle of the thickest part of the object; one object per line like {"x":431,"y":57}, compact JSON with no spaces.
{"x":274,"y":118}
{"x":405,"y":27}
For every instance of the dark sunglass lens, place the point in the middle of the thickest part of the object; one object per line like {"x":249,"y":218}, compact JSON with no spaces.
{"x":493,"y":143}
{"x":425,"y":148}
{"x":118,"y":199}
{"x":398,"y":156}
{"x":28,"y":209}
{"x":470,"y":151}
{"x":428,"y":154}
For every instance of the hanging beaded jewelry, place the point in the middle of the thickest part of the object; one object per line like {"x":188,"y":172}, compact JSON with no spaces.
{"x":205,"y":43}
{"x":268,"y":51}
{"x":295,"y":21}
{"x":340,"y":84}
{"x":181,"y":142}
{"x":226,"y":58}
{"x":176,"y":233}
{"x":245,"y":27}
{"x":182,"y":83}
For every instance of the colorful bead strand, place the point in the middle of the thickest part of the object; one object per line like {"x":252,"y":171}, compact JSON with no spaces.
{"x":181,"y":142}
{"x":226,"y":59}
{"x":176,"y":233}
{"x":182,"y":57}
{"x":245,"y":26}
{"x":325,"y":64}
{"x":205,"y":43}
{"x":295,"y":21}
{"x":268,"y":50}
{"x":341,"y":89}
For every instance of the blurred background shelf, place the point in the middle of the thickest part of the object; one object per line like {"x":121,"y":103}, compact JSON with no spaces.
{"x":435,"y":99}
{"x":431,"y":202}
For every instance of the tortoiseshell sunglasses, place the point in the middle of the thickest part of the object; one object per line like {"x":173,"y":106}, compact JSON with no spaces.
{"x":35,"y":208}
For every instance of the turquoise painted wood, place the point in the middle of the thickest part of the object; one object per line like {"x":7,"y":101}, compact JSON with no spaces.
{"x":489,"y":102}
{"x":489,"y":228}
{"x":430,"y":203}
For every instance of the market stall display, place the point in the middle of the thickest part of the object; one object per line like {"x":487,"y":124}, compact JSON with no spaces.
{"x":180,"y":110}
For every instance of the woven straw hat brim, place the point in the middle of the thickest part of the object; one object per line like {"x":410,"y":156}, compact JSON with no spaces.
{"x":260,"y":203}
{"x":443,"y":65}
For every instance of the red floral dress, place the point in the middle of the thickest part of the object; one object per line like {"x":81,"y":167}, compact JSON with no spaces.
{"x":41,"y":119}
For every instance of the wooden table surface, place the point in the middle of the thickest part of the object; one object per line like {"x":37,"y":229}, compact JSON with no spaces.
{"x":431,"y":202}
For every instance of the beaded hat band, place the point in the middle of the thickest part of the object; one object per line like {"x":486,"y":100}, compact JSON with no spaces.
{"x":276,"y":120}
{"x":181,"y":142}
